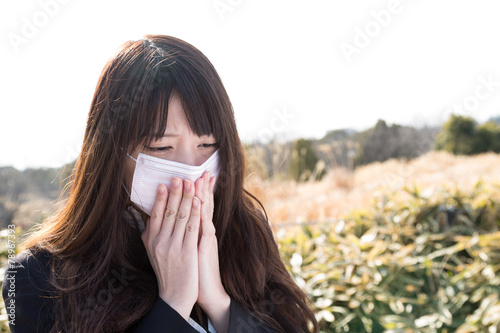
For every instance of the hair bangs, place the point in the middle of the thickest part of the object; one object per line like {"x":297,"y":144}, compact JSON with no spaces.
{"x":150,"y":97}
{"x":198,"y":100}
{"x":200,"y":103}
{"x":155,"y":113}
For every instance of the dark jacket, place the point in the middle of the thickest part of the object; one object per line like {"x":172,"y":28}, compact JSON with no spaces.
{"x":30,"y":303}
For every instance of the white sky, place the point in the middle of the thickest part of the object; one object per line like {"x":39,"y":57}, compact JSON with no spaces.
{"x":278,"y":56}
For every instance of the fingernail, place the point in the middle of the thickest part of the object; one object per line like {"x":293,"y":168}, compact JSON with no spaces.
{"x":161,"y":189}
{"x":187,"y":185}
{"x":176,"y":182}
{"x":196,"y":202}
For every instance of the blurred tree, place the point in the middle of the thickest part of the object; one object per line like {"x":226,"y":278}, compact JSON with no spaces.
{"x":457,"y":136}
{"x":383,"y":142}
{"x":488,"y":138}
{"x":304,"y":160}
{"x":463,"y":136}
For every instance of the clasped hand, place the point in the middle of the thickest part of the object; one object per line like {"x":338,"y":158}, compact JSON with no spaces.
{"x":182,"y":247}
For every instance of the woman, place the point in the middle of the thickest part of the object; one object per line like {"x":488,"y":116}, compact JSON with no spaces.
{"x":140,"y":247}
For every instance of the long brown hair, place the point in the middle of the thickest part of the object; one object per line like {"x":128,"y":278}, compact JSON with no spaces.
{"x":100,"y":266}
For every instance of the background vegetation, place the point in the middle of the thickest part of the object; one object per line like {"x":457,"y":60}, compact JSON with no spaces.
{"x":393,"y":229}
{"x":462,"y":135}
{"x":413,"y":262}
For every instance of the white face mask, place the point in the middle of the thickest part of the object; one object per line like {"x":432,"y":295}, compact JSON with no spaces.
{"x":151,"y":171}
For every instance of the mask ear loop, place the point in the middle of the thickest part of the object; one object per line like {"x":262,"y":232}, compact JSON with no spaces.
{"x":131,"y":157}
{"x":144,"y":216}
{"x":138,"y":222}
{"x":123,"y":184}
{"x":125,"y":188}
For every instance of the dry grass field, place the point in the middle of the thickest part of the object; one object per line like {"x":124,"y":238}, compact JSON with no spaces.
{"x":342,"y":191}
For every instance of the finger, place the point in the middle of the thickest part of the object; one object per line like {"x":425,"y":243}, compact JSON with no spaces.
{"x":205,"y":209}
{"x":184,"y":211}
{"x":192,"y":226}
{"x":174,"y":200}
{"x":206,"y":188}
{"x":200,"y":188}
{"x":206,"y":220}
{"x":211,"y":187}
{"x":207,"y":230}
{"x":154,"y":223}
{"x":204,"y":212}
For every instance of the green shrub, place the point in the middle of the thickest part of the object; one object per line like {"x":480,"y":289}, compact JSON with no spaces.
{"x":488,"y":138}
{"x":413,"y":263}
{"x":463,"y":136}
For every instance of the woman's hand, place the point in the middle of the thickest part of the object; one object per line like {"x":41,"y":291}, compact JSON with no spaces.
{"x":212,"y":296}
{"x":171,"y":241}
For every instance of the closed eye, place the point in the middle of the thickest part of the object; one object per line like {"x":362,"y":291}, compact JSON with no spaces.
{"x":158,"y":149}
{"x":209,"y":145}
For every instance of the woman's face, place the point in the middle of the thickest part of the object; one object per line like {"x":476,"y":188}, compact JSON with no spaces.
{"x":178,"y":144}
